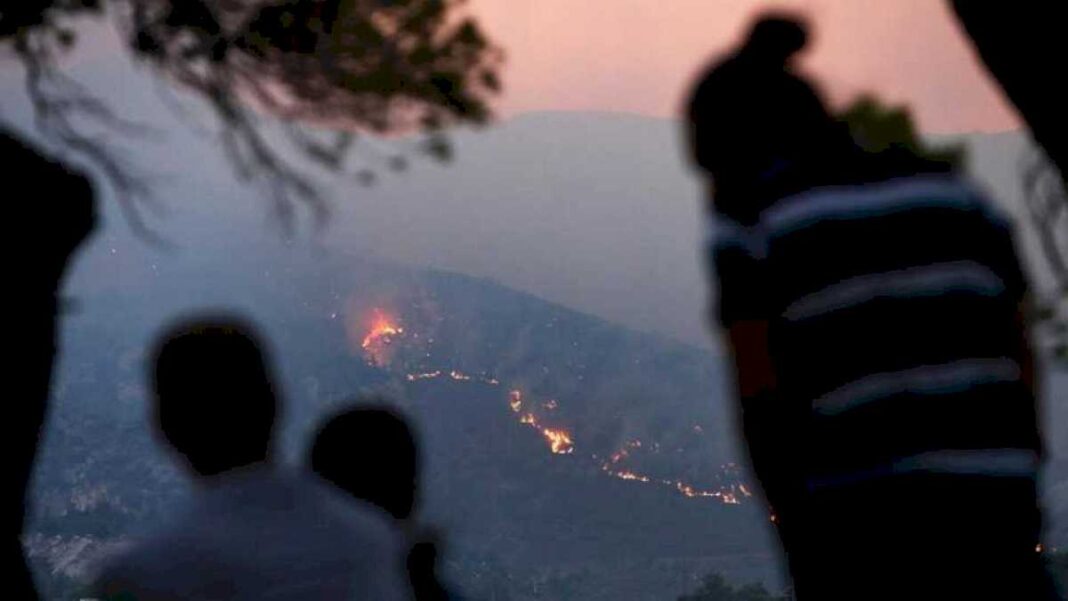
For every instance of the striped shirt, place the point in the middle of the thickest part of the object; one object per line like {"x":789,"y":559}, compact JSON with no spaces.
{"x":892,"y":327}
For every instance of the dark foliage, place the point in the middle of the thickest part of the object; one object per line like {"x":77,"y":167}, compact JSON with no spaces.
{"x":344,"y":68}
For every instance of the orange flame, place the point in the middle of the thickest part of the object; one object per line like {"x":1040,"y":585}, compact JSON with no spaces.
{"x":559,"y":441}
{"x":728,"y":495}
{"x":383,"y":328}
{"x":630,"y":476}
{"x":377,"y":340}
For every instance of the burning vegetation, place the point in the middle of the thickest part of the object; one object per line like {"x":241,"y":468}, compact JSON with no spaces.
{"x":377,"y":342}
{"x":384,"y":330}
{"x":559,"y":440}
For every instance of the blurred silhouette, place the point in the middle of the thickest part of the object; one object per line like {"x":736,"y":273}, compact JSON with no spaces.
{"x":57,"y":218}
{"x":253,"y":529}
{"x":369,"y":451}
{"x":369,"y":67}
{"x":873,"y":305}
{"x":344,"y":445}
{"x":1022,"y":45}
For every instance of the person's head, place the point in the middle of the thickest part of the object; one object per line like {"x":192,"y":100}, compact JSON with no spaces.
{"x":214,"y":396}
{"x":751,"y":115}
{"x":369,"y":452}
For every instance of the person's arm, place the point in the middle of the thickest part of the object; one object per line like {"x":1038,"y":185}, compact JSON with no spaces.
{"x":754,"y":372}
{"x":763,"y":417}
{"x":1004,"y":259}
{"x":1028,"y":365}
{"x":743,"y":314}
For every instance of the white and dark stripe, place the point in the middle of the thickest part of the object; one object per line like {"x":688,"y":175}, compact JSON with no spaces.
{"x":985,"y":463}
{"x":995,"y":463}
{"x":912,"y":282}
{"x":873,"y":200}
{"x":930,"y":380}
{"x":724,"y":234}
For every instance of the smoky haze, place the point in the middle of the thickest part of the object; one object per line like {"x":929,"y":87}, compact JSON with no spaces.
{"x":596,"y":211}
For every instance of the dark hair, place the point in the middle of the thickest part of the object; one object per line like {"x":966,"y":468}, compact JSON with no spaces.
{"x":751,"y":109}
{"x":369,"y":451}
{"x":762,"y":131}
{"x":775,"y":39}
{"x":215,"y":399}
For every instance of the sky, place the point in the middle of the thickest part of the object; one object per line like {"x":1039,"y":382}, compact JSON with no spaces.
{"x":638,"y":56}
{"x":570,"y":197}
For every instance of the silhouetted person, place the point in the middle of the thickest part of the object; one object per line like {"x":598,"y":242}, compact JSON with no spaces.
{"x":369,"y":452}
{"x":1024,"y":47}
{"x":253,"y":529}
{"x":872,"y":305}
{"x":50,"y":213}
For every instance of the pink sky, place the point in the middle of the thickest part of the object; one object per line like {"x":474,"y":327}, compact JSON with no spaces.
{"x":638,"y":56}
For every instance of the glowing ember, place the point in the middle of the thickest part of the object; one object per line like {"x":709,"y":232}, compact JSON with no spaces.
{"x":728,"y":495}
{"x":631,"y":476}
{"x":559,"y":441}
{"x":383,"y":330}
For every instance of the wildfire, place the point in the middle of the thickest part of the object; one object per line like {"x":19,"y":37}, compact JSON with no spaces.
{"x":631,"y":476}
{"x":383,"y":330}
{"x":729,"y":495}
{"x":559,"y":441}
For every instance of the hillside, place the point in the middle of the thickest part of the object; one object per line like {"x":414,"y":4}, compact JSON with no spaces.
{"x":559,"y":447}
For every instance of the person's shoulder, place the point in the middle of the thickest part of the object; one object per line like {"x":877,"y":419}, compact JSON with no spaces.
{"x":144,"y":567}
{"x":372,"y":543}
{"x":350,"y":512}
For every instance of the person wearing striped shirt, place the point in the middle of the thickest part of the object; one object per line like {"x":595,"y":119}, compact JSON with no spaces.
{"x":872,"y":305}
